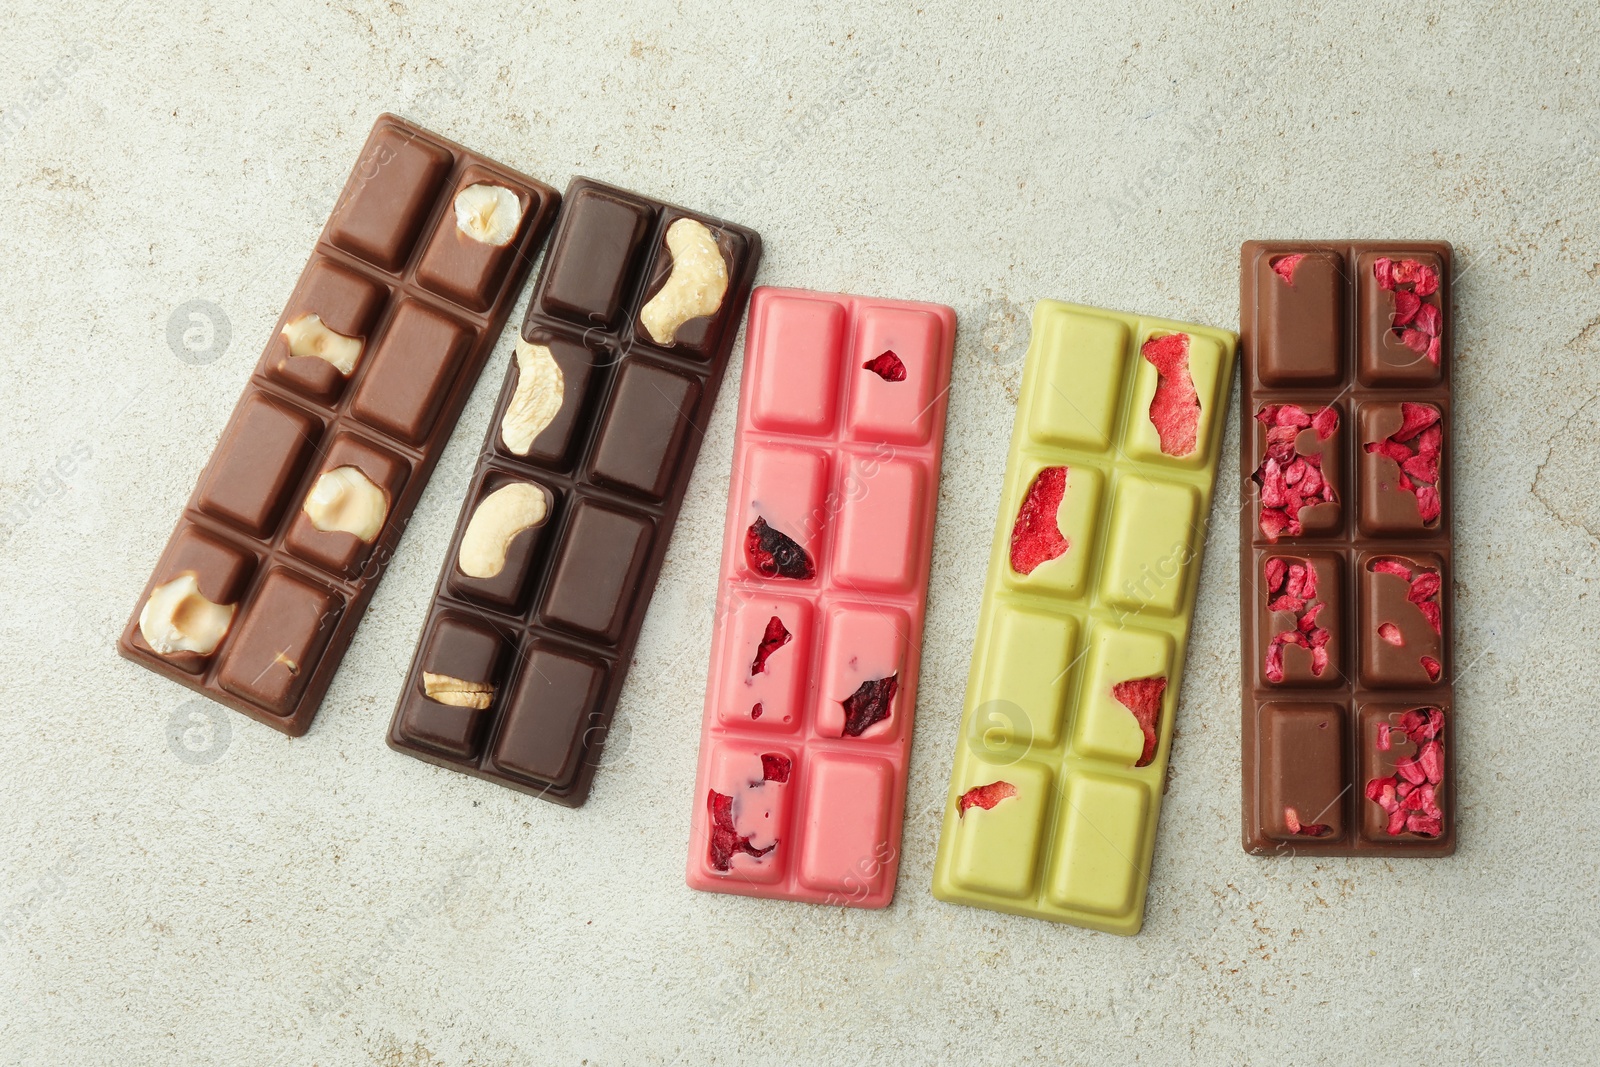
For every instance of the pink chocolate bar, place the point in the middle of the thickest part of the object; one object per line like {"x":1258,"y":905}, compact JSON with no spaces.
{"x":815,"y":650}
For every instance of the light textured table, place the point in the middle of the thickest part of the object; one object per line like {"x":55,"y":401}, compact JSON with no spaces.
{"x":180,"y":885}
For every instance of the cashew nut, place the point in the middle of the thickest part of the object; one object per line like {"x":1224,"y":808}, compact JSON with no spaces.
{"x":696,"y":286}
{"x":499,"y":517}
{"x":345,"y":501}
{"x":307,"y":335}
{"x":537,"y":400}
{"x":455,"y":692}
{"x":488,"y":213}
{"x":177,"y":618}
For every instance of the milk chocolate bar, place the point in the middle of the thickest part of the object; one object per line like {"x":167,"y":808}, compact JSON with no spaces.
{"x":1345,"y":578}
{"x":296,"y":516}
{"x":554,"y":559}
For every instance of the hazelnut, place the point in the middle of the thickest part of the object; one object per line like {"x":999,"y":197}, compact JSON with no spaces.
{"x":346,"y":501}
{"x":177,"y":618}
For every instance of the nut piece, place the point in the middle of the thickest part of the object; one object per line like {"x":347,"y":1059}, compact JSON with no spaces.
{"x":308,"y":336}
{"x":345,"y":501}
{"x":696,"y":286}
{"x":500,"y":516}
{"x":455,"y":692}
{"x":488,"y":213}
{"x":177,"y":618}
{"x":534,"y":405}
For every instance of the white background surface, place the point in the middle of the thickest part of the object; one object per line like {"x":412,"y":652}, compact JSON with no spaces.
{"x":178,"y":890}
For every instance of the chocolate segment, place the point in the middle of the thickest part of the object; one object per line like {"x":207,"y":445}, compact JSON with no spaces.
{"x":1347,"y":705}
{"x":353,"y":399}
{"x":606,"y":423}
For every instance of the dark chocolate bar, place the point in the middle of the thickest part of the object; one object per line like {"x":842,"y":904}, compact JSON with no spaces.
{"x":1345,"y":579}
{"x":568,"y":517}
{"x":306,"y":496}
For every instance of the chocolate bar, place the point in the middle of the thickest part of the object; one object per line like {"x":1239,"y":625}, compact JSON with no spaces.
{"x":296,"y":516}
{"x":817,"y":640}
{"x":1345,"y":583}
{"x":541,"y":598}
{"x":1067,"y":724}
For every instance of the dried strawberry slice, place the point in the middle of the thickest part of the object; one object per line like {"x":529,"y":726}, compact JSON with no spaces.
{"x":1036,"y":537}
{"x":775,"y":767}
{"x":1433,"y":667}
{"x":1325,"y":422}
{"x":776,"y":636}
{"x":1383,"y":270}
{"x":755,"y":712}
{"x":985,"y":797}
{"x":1277,"y":570}
{"x":1175,"y":408}
{"x":1284,"y":266}
{"x":1414,"y":418}
{"x":1291,"y":819}
{"x":1391,"y":633}
{"x":1406,"y":304}
{"x":869,"y":704}
{"x":1424,"y":586}
{"x":887,"y":366}
{"x":725,"y":839}
{"x":1142,"y":696}
{"x":1428,"y":506}
{"x":1392,"y":566}
{"x":776,"y":555}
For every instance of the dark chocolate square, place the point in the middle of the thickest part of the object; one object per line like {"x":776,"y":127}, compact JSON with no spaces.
{"x":592,"y":259}
{"x":412,"y":368}
{"x":698,"y":337}
{"x":553,"y":446}
{"x":542,"y":735}
{"x":596,"y":577}
{"x":459,"y":648}
{"x":650,"y":412}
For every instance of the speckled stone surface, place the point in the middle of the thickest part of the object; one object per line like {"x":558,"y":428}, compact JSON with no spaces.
{"x":180,"y":885}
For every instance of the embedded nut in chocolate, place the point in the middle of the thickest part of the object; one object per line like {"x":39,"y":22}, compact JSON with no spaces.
{"x":346,"y":501}
{"x":696,"y":286}
{"x":308,"y":335}
{"x":501,"y":515}
{"x":537,"y":399}
{"x":178,"y":618}
{"x":456,"y":692}
{"x":488,"y":213}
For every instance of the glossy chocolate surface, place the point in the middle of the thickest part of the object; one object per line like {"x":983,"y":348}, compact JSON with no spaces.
{"x":1316,"y":737}
{"x":426,"y":321}
{"x":613,"y":463}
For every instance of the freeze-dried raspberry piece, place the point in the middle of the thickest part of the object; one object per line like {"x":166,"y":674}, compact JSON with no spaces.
{"x":1428,"y":505}
{"x":776,"y":636}
{"x":1325,"y":422}
{"x":775,"y":767}
{"x":1142,"y":696}
{"x":1284,"y":266}
{"x":1036,"y":537}
{"x":725,"y":839}
{"x":1383,"y":270}
{"x":1406,"y":304}
{"x":755,"y":712}
{"x":1414,"y":418}
{"x":1433,"y":667}
{"x":1291,"y":819}
{"x":887,"y":366}
{"x":1394,"y":567}
{"x":1423,"y":586}
{"x":1277,"y":569}
{"x":776,"y":555}
{"x":1422,"y":724}
{"x":984,"y":796}
{"x":869,"y":704}
{"x":1391,"y":633}
{"x":1175,"y":409}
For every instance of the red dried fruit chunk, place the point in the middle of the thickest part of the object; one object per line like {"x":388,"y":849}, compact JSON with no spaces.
{"x":1276,"y":570}
{"x":1422,"y":724}
{"x":1428,"y":506}
{"x":1284,"y":266}
{"x":869,"y":704}
{"x":1391,"y":633}
{"x":1419,"y":460}
{"x":755,"y":712}
{"x":1430,"y":611}
{"x":1409,"y":796}
{"x":725,"y":840}
{"x":1383,"y":270}
{"x":776,"y":555}
{"x":1142,"y":696}
{"x":1291,"y":819}
{"x":1433,"y":667}
{"x":1414,"y":418}
{"x":1406,"y":304}
{"x":1325,"y":422}
{"x":775,"y":767}
{"x":1392,"y":566}
{"x":1175,"y":409}
{"x":887,"y":366}
{"x":776,"y":636}
{"x":1290,"y":481}
{"x":984,"y":796}
{"x":1036,"y":538}
{"x":1423,"y":587}
{"x":1383,"y":744}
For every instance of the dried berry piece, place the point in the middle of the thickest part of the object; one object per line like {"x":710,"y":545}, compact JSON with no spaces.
{"x":984,"y":796}
{"x":1291,"y":819}
{"x":1175,"y":408}
{"x":776,"y":636}
{"x":1292,"y":587}
{"x":1391,"y":633}
{"x":1409,"y":796}
{"x":1418,"y":325}
{"x":776,"y":555}
{"x":869,"y":704}
{"x":887,"y":366}
{"x":1036,"y":538}
{"x":1416,"y":448}
{"x":1433,"y":667}
{"x":1290,"y":481}
{"x":1142,"y":696}
{"x":726,"y":841}
{"x":1284,"y":266}
{"x":755,"y":712}
{"x":776,"y":767}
